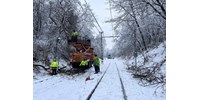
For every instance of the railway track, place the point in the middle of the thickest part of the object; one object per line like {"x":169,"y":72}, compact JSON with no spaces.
{"x":121,"y":82}
{"x":122,"y":85}
{"x":90,"y":95}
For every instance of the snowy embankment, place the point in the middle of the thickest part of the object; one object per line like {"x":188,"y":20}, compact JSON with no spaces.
{"x":63,"y":87}
{"x":156,"y":56}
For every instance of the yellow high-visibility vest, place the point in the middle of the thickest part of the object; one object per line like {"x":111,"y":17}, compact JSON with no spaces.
{"x":83,"y":63}
{"x":75,"y":33}
{"x":54,"y":64}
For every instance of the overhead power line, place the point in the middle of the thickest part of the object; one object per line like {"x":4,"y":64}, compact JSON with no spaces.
{"x":94,"y":17}
{"x":83,"y":10}
{"x":111,"y":15}
{"x":101,"y":31}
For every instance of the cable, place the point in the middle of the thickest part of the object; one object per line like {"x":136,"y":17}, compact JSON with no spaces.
{"x":111,"y":16}
{"x":99,"y":31}
{"x":94,"y":17}
{"x":86,"y":9}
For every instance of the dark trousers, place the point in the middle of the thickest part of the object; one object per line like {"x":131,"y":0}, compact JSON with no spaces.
{"x":97,"y":69}
{"x":82,"y":68}
{"x":74,"y":38}
{"x":54,"y":71}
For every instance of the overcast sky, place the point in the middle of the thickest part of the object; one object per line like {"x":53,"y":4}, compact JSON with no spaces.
{"x":101,"y":11}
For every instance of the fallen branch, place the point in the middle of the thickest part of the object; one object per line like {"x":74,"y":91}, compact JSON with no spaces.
{"x":41,"y":66}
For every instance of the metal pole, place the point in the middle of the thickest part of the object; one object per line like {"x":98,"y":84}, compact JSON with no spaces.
{"x":101,"y":46}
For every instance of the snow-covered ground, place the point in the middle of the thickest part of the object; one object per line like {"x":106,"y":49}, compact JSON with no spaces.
{"x":133,"y":90}
{"x":63,"y":87}
{"x":156,"y":55}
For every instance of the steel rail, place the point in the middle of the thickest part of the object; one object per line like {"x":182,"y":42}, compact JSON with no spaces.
{"x":90,"y":95}
{"x":122,"y":85}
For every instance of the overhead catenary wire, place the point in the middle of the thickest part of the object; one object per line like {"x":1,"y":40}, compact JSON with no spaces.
{"x":111,"y":15}
{"x":94,"y":17}
{"x":101,"y":31}
{"x":83,"y":9}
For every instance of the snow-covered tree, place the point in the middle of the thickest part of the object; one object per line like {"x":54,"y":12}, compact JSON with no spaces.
{"x":144,"y":19}
{"x":53,"y":24}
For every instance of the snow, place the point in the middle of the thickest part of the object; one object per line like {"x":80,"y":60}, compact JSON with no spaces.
{"x":156,"y":55}
{"x":134,"y":90}
{"x":110,"y":87}
{"x":63,"y":87}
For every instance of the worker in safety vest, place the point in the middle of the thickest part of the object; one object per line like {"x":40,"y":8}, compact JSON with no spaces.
{"x":83,"y":64}
{"x":75,"y":35}
{"x":54,"y":66}
{"x":96,"y":64}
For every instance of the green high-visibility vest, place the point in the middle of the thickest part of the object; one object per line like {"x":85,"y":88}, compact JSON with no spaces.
{"x":75,"y":33}
{"x":96,"y":61}
{"x":54,"y":64}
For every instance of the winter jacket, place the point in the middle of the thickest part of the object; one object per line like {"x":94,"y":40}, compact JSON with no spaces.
{"x":54,"y":64}
{"x":96,"y":61}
